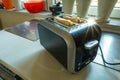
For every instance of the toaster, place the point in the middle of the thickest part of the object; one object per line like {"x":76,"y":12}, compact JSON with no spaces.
{"x":74,"y":47}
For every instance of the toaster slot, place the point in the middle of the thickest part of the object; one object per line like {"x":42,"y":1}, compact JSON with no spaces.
{"x":74,"y":19}
{"x":75,"y":25}
{"x":51,"y":19}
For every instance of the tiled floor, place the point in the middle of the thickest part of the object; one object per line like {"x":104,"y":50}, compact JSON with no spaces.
{"x":110,"y":44}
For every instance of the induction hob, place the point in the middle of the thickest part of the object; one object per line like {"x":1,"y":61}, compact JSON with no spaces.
{"x":26,"y":30}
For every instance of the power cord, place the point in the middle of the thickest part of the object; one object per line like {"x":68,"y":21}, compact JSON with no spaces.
{"x":104,"y":58}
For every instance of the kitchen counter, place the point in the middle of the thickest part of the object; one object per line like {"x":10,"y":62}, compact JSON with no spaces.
{"x":31,"y":61}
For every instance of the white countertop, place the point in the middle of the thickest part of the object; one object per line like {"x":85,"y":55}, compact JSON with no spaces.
{"x":32,"y":62}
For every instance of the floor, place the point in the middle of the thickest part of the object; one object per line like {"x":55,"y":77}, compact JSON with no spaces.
{"x":110,"y":44}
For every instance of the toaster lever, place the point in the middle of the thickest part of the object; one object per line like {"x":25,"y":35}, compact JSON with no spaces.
{"x":91,"y":44}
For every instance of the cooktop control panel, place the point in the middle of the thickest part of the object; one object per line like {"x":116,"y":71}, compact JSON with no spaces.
{"x":6,"y":74}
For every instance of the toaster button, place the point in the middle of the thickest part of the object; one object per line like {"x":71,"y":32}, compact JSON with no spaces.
{"x":79,"y":64}
{"x":78,"y":68}
{"x":87,"y":62}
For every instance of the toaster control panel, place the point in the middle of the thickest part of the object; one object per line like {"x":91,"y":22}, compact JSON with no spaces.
{"x":85,"y":56}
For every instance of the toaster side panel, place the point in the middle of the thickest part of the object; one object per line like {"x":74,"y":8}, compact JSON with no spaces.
{"x":87,"y":34}
{"x":54,"y":44}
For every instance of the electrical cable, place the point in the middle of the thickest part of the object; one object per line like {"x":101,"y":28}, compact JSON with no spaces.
{"x":104,"y":58}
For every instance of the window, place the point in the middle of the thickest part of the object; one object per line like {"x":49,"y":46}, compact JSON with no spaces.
{"x":58,"y":1}
{"x":22,"y":1}
{"x":94,"y":3}
{"x":93,"y":9}
{"x":118,"y":4}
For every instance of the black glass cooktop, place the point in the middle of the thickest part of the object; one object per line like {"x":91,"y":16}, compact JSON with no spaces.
{"x":26,"y":30}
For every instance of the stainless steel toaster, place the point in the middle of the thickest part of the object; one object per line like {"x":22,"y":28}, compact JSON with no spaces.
{"x":74,"y":47}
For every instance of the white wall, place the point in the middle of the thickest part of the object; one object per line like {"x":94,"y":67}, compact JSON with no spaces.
{"x":11,"y":18}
